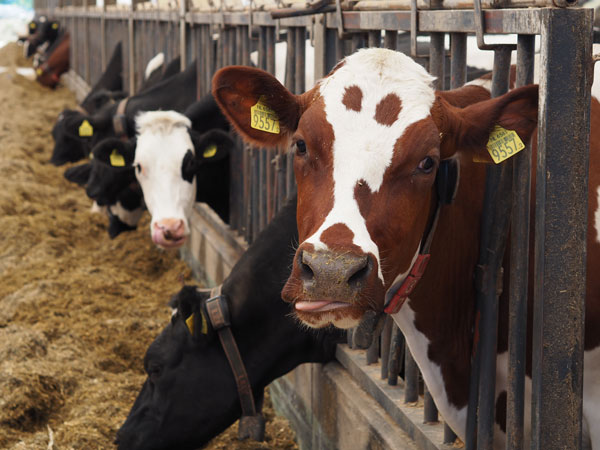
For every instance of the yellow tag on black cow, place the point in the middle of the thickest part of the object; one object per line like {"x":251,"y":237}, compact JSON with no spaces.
{"x":32,"y":25}
{"x":210,"y":151}
{"x":39,"y":72}
{"x":54,"y":26}
{"x":503,"y":144}
{"x":116,"y":159}
{"x":264,"y":118}
{"x":86,"y":129}
{"x":190,"y":323}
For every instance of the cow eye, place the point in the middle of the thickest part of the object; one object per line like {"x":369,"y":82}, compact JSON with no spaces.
{"x":300,"y":147}
{"x":138,"y":167}
{"x":154,"y":371}
{"x":427,"y":164}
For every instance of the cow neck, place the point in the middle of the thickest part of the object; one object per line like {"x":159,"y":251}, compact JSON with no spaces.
{"x":119,"y":120}
{"x":252,"y":423}
{"x":438,"y":317}
{"x":446,"y":185}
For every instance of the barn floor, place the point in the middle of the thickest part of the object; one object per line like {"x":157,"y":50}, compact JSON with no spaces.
{"x":77,"y":310}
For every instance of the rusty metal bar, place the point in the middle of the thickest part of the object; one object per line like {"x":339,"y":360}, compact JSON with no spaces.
{"x":300,"y":60}
{"x":519,"y":267}
{"x":396,"y":355}
{"x":290,"y":60}
{"x":386,"y":341}
{"x":411,"y":378}
{"x":430,"y":412}
{"x":437,"y":59}
{"x":458,"y":62}
{"x":560,"y":228}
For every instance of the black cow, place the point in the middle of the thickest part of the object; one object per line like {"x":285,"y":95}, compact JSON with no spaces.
{"x":43,"y":32}
{"x":72,"y":142}
{"x":190,"y":394}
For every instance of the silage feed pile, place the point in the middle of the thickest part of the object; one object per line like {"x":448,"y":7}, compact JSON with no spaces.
{"x":77,"y":310}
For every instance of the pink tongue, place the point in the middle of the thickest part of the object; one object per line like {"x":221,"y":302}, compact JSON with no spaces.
{"x":311,"y":306}
{"x":323,"y":305}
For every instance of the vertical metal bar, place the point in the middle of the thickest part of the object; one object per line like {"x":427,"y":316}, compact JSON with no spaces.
{"x":390,"y":39}
{"x":494,"y":231}
{"x":386,"y":340}
{"x":262,"y":189}
{"x":182,"y":34}
{"x":449,"y":435}
{"x":375,"y":38}
{"x":233,"y":47}
{"x":245,"y":46}
{"x":290,"y":60}
{"x":373,"y":351}
{"x":131,"y":48}
{"x":519,"y":267}
{"x":103,"y":38}
{"x":411,"y":378}
{"x":262,"y":48}
{"x":322,"y":50}
{"x":458,"y":63}
{"x":430,"y":412}
{"x":560,"y":228}
{"x":358,"y":41}
{"x":270,"y":49}
{"x":300,"y":60}
{"x":396,"y":355}
{"x":437,"y":55}
{"x":339,"y":48}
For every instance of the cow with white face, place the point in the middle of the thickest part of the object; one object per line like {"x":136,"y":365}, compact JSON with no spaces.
{"x":170,"y":160}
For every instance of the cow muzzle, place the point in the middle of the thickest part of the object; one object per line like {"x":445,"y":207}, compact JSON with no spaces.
{"x":169,"y":233}
{"x":330,"y":286}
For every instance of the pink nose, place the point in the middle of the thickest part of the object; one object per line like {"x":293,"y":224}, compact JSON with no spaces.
{"x":171,"y":229}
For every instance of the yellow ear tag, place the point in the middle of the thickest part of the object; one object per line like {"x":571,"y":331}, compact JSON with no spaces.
{"x":264,"y":118}
{"x":116,"y":159}
{"x":32,"y":25}
{"x":210,"y":151}
{"x":54,"y":26}
{"x":39,"y":72}
{"x":503,"y":144}
{"x":86,"y":129}
{"x":190,"y":324}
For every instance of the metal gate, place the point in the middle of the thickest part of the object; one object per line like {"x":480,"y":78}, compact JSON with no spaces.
{"x":221,"y":37}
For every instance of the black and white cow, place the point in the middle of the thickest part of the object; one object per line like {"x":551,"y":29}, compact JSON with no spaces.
{"x":77,"y":133}
{"x":190,"y":394}
{"x":175,"y":166}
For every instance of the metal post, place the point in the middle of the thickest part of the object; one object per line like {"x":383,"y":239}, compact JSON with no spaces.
{"x":373,"y":351}
{"x":182,"y":34}
{"x":437,"y":59}
{"x":519,"y":267}
{"x":390,"y":39}
{"x":396,"y":355}
{"x":386,"y":340}
{"x":458,"y":63}
{"x":411,"y":378}
{"x":300,"y":60}
{"x":131,"y":48}
{"x":430,"y":412}
{"x":290,"y":60}
{"x":271,"y":49}
{"x":561,"y":228}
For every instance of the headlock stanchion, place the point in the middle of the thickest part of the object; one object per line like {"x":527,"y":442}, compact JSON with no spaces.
{"x":218,"y":36}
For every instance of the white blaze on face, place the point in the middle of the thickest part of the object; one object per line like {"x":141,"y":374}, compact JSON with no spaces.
{"x":362,"y":147}
{"x":163,"y":139}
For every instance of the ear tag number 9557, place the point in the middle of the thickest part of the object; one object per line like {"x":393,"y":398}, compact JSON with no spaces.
{"x":264,"y":118}
{"x":503,"y":144}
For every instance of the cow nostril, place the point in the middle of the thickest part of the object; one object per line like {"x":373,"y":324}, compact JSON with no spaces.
{"x":360,"y":271}
{"x":167,"y":234}
{"x":306,"y":272}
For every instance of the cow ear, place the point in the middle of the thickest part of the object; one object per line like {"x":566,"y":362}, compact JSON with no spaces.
{"x":188,"y":304}
{"x":469,"y":128}
{"x":260,"y":108}
{"x":212,"y":146}
{"x":115,"y":153}
{"x":79,"y":174}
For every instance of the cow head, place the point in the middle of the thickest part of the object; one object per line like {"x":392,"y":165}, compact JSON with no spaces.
{"x":75,"y":134}
{"x":168,"y":159}
{"x":41,"y":31}
{"x":368,"y":140}
{"x":190,"y":395}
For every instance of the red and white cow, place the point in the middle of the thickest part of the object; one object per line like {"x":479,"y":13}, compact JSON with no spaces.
{"x":368,"y":141}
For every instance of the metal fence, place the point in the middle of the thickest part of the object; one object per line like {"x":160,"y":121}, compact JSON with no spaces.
{"x":218,"y":38}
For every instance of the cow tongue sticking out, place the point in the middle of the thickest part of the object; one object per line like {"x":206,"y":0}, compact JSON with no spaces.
{"x":368,"y":140}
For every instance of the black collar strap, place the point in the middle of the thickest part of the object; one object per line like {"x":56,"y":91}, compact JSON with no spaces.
{"x":446,"y":183}
{"x":120,"y":120}
{"x":252,"y":423}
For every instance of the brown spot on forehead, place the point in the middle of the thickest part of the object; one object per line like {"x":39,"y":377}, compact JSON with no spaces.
{"x":353,"y":98}
{"x":388,"y":109}
{"x":339,"y":236}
